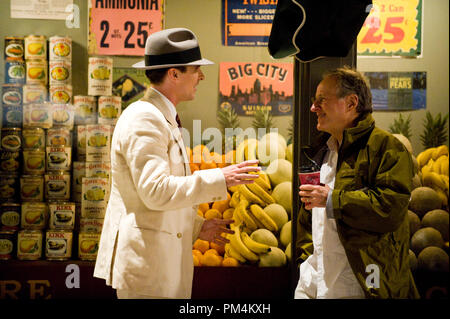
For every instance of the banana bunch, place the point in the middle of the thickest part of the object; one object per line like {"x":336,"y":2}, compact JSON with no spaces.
{"x":434,"y":168}
{"x":246,"y":150}
{"x":242,"y":247}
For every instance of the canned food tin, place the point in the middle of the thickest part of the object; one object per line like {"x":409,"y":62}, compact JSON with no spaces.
{"x":109,"y":109}
{"x":58,"y":244}
{"x":10,"y":162}
{"x":81,"y":142}
{"x":9,"y":187}
{"x":37,"y":115}
{"x":95,"y":193}
{"x":78,"y":172}
{"x":7,"y":244}
{"x":57,"y":185}
{"x":11,"y":139}
{"x":15,"y":71}
{"x":34,"y":162}
{"x":34,"y":215}
{"x":88,"y":245}
{"x":34,"y":93}
{"x":100,"y":76}
{"x":59,"y":136}
{"x":91,"y":225}
{"x":60,"y":72}
{"x":14,"y":47}
{"x":85,"y":109}
{"x":98,"y":169}
{"x":35,"y":47}
{"x":60,"y":93}
{"x":37,"y":72}
{"x":59,"y":158}
{"x":33,"y":138}
{"x":29,"y":244}
{"x":12,"y":94}
{"x":60,"y":48}
{"x":98,"y":138}
{"x":63,"y":115}
{"x":62,"y":215}
{"x":12,"y":116}
{"x":32,"y":188}
{"x":10,"y":216}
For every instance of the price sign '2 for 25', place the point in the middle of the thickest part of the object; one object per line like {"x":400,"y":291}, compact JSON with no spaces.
{"x":142,"y":34}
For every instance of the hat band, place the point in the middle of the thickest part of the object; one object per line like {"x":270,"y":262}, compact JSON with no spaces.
{"x":181,"y":57}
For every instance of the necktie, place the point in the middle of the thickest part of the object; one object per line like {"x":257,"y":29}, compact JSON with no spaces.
{"x":178,"y":121}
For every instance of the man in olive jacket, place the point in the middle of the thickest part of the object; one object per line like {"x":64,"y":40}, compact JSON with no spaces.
{"x":353,"y":230}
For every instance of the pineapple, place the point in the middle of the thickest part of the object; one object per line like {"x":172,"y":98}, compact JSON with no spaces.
{"x":263,"y":119}
{"x":401,"y":126}
{"x":435,"y":133}
{"x":228,"y":118}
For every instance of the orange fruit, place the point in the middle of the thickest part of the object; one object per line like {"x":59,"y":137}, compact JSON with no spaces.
{"x":196,"y":252}
{"x":200,"y":213}
{"x":219,"y":249}
{"x":222,"y":205}
{"x":211,"y":250}
{"x":223,"y":163}
{"x":196,"y":261}
{"x":194,"y":167}
{"x":199,"y":152}
{"x":203,"y":207}
{"x":208,"y":165}
{"x":201,"y":245}
{"x":228,"y":213}
{"x":188,"y":151}
{"x":212,"y":213}
{"x":211,"y":260}
{"x":216,"y":157}
{"x":230,"y":262}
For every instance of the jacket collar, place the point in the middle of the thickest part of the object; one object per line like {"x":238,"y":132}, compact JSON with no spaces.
{"x":351,"y":135}
{"x":163,"y":106}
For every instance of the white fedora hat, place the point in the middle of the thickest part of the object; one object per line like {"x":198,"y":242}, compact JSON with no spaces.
{"x":171,"y":48}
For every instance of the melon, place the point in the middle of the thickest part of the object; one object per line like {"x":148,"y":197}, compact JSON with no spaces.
{"x":288,"y":252}
{"x":426,"y":237}
{"x":271,"y":146}
{"x":414,"y":222}
{"x":416,"y":181}
{"x":277,"y":213}
{"x":433,"y":259}
{"x":282,"y":194}
{"x":290,"y":152}
{"x":274,"y":258}
{"x":438,"y":219}
{"x":286,"y":234}
{"x":405,"y":141}
{"x":264,"y":236}
{"x":423,"y":199}
{"x":279,"y":171}
{"x":412,"y":260}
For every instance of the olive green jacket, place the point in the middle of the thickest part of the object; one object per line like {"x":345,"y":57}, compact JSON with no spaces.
{"x":370,"y":203}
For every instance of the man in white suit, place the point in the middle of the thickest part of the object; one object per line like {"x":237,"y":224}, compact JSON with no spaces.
{"x":151,"y":220}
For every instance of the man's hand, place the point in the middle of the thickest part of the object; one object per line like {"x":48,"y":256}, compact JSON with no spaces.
{"x":238,"y":173}
{"x":212,"y":230}
{"x":314,"y":195}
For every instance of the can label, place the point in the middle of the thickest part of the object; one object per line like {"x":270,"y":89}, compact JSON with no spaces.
{"x":95,"y":192}
{"x":62,"y":215}
{"x":59,"y":158}
{"x":58,"y":244}
{"x":91,"y":225}
{"x":7,"y":245}
{"x":9,"y":161}
{"x":57,"y":186}
{"x":60,"y":72}
{"x":35,"y":47}
{"x":15,"y":71}
{"x":78,"y":172}
{"x":98,"y":169}
{"x":37,"y":72}
{"x":34,"y":93}
{"x":10,"y":216}
{"x":60,"y":93}
{"x":9,"y":187}
{"x":60,"y":48}
{"x":34,"y":162}
{"x":12,"y":116}
{"x":109,"y":109}
{"x":29,"y":244}
{"x":85,"y":109}
{"x":14,"y":47}
{"x":34,"y":215}
{"x":32,"y":188}
{"x":81,"y":142}
{"x":98,"y":139}
{"x":59,"y":137}
{"x":63,"y":115}
{"x":88,"y":245}
{"x":100,"y":76}
{"x":33,"y":138}
{"x":11,"y":139}
{"x":12,"y":94}
{"x":37,"y":115}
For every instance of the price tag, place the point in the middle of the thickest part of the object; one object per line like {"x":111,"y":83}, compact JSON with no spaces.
{"x":122,"y":27}
{"x":392,"y":28}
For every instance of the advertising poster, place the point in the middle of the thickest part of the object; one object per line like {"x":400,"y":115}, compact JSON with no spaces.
{"x":398,"y":91}
{"x":247,"y":22}
{"x":119,"y":27}
{"x":247,"y":87}
{"x":130,"y":84}
{"x":392,"y":28}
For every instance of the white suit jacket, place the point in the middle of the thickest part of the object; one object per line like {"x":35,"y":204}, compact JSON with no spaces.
{"x":151,"y":220}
